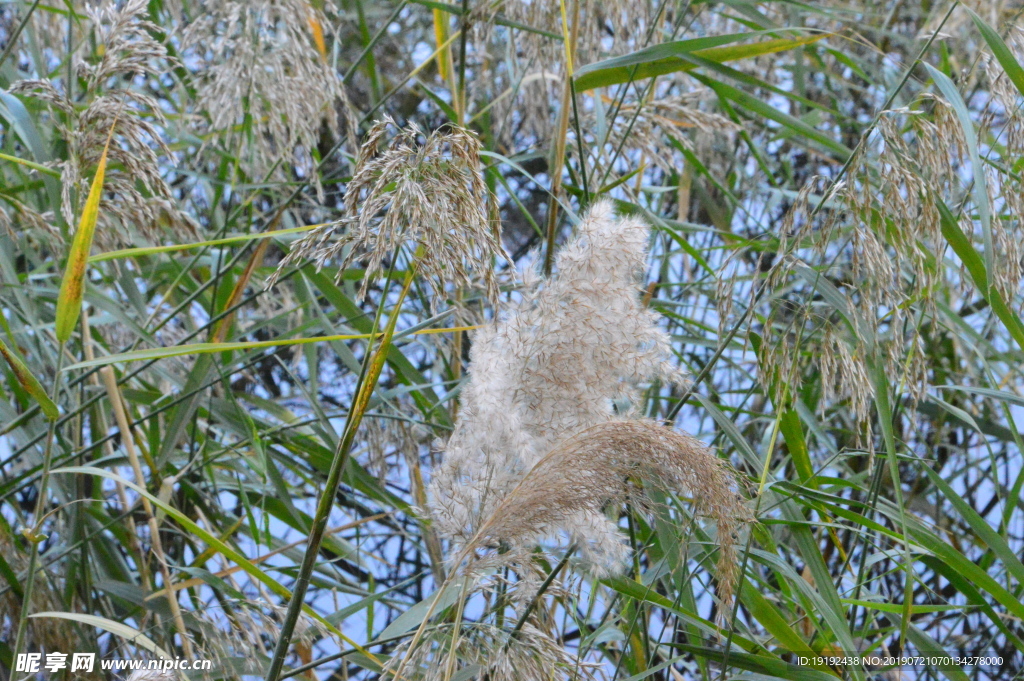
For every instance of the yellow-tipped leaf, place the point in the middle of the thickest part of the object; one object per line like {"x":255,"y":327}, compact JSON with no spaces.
{"x":72,"y":286}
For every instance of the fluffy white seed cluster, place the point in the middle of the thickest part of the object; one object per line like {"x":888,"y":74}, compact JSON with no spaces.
{"x":566,"y":358}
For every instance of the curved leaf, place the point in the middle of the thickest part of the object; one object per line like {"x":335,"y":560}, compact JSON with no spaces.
{"x":29,"y":382}
{"x":671,"y":57}
{"x":117,"y":628}
{"x":72,"y":286}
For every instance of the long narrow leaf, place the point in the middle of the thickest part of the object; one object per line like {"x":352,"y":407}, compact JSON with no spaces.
{"x":980,"y":186}
{"x":72,"y":286}
{"x":132,"y":636}
{"x":211,"y":348}
{"x":979,"y":272}
{"x":211,"y":540}
{"x":999,"y":49}
{"x":174,"y":248}
{"x":666,"y":58}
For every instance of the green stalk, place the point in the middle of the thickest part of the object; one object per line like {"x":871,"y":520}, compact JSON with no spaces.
{"x":40,"y":513}
{"x":885,"y":419}
{"x":13,"y":40}
{"x":323,"y":509}
{"x":558,"y":151}
{"x":746,"y":550}
{"x":369,"y":45}
{"x":371,"y":63}
{"x":461,"y":94}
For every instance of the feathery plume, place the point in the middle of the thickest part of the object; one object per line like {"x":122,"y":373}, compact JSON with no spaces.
{"x":890,"y":210}
{"x":640,"y":128}
{"x":525,"y":68}
{"x":590,"y":470}
{"x":137,"y":198}
{"x":261,"y":63}
{"x":605,"y":27}
{"x":552,"y":393}
{"x":427,"y":191}
{"x":888,"y":214}
{"x":486,"y":652}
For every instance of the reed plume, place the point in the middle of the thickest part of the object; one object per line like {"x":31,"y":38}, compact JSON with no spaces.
{"x":426,"y":190}
{"x":263,"y":69}
{"x":596,"y":466}
{"x":484,"y":652}
{"x":641,"y":129}
{"x":548,"y":430}
{"x":138,"y":200}
{"x":524,"y":69}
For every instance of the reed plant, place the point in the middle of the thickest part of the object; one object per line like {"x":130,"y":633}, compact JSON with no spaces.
{"x":512,"y":339}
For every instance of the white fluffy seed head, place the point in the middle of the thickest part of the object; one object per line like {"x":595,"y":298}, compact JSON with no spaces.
{"x":539,"y":446}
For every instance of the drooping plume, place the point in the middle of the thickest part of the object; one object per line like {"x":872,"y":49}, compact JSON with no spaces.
{"x":487,"y":653}
{"x":137,"y":199}
{"x":547,"y":434}
{"x":424,"y":191}
{"x":263,"y":69}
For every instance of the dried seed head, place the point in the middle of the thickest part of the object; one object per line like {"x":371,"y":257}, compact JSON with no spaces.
{"x":524,"y":68}
{"x":568,"y":488}
{"x":425,"y":192}
{"x":542,"y":378}
{"x":260,"y":65}
{"x":392,"y":436}
{"x":485,"y":652}
{"x":23,"y":215}
{"x":129,"y":48}
{"x":605,"y":27}
{"x":895,"y":232}
{"x":886,"y":266}
{"x":137,"y":199}
{"x":844,"y":375}
{"x":640,"y":130}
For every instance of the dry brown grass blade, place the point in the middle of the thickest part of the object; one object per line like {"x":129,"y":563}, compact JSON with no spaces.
{"x":127,"y":438}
